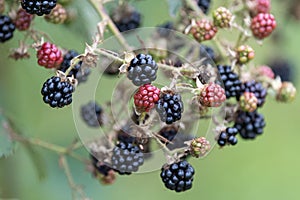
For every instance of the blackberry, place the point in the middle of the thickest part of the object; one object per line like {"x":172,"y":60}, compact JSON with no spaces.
{"x":126,"y":158}
{"x":78,"y":73}
{"x":169,"y":107}
{"x":56,"y":92}
{"x":38,"y":7}
{"x":284,"y":69}
{"x":178,"y":176}
{"x":7,"y":28}
{"x":91,"y":114}
{"x":204,"y":5}
{"x":230,"y":80}
{"x":123,"y":135}
{"x":255,"y":88}
{"x":228,"y":136}
{"x":168,"y":132}
{"x":126,"y":18}
{"x":142,"y":70}
{"x":249,"y":125}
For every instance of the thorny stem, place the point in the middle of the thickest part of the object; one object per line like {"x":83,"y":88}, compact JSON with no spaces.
{"x":74,"y":62}
{"x":98,"y":5}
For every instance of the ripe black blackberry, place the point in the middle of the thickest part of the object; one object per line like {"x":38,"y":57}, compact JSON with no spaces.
{"x":57,"y":93}
{"x":142,"y":70}
{"x":284,"y":69}
{"x":249,"y":125}
{"x":92,"y":114}
{"x":7,"y":28}
{"x":38,"y":7}
{"x":126,"y":18}
{"x":77,"y":72}
{"x":230,"y":80}
{"x":257,"y":89}
{"x":169,"y":107}
{"x":204,"y":5}
{"x":126,"y":158}
{"x":178,"y":176}
{"x":228,"y":136}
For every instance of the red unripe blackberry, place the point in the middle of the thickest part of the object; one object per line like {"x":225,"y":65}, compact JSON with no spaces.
{"x":49,"y":56}
{"x":203,"y":30}
{"x":57,"y":93}
{"x":212,"y":95}
{"x":249,"y":124}
{"x":169,"y":107}
{"x":263,"y":6}
{"x":263,"y":25}
{"x":126,"y":158}
{"x":23,"y":20}
{"x":178,"y":176}
{"x":142,"y":70}
{"x":266,"y":71}
{"x":146,"y":97}
{"x":7,"y":28}
{"x":38,"y":7}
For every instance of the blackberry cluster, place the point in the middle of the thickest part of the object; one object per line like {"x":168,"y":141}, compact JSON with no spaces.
{"x":131,"y":20}
{"x":169,"y":107}
{"x":168,"y":132}
{"x":7,"y":28}
{"x":91,"y":114}
{"x":228,"y":136}
{"x":38,"y":7}
{"x":249,"y":125}
{"x":126,"y":158}
{"x":56,"y":92}
{"x":204,"y":5}
{"x":255,"y":88}
{"x":78,"y":73}
{"x":142,"y":70}
{"x":101,"y":168}
{"x":230,"y":80}
{"x":178,"y":176}
{"x":284,"y":69}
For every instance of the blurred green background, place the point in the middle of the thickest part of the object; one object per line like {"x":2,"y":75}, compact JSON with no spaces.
{"x":266,"y":168}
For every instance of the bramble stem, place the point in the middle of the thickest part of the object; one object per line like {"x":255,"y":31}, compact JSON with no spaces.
{"x":74,"y":62}
{"x":97,"y":4}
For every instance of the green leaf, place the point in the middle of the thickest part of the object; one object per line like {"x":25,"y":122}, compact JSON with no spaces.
{"x":7,"y":146}
{"x":174,"y":7}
